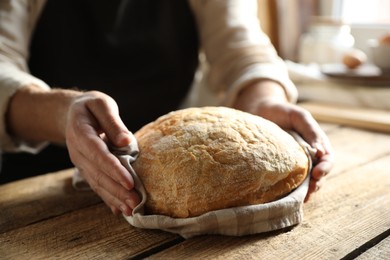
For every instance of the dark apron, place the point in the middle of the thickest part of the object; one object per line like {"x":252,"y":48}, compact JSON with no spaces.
{"x":143,"y":53}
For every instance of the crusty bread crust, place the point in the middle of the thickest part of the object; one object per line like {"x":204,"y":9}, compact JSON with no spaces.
{"x":196,"y":160}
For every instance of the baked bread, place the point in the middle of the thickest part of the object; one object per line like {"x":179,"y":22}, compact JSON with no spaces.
{"x":196,"y":160}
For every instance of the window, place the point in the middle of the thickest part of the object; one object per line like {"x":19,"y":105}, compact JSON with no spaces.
{"x":368,"y":18}
{"x":374,"y":12}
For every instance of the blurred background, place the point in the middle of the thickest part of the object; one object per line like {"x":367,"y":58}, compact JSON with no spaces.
{"x":337,"y":51}
{"x":287,"y":21}
{"x":328,"y":47}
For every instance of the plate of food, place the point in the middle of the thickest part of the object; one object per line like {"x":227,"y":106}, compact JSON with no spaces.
{"x":355,"y":69}
{"x":367,"y":74}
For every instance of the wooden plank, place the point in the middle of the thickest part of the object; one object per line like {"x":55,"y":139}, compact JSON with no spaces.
{"x":379,"y":251}
{"x":350,"y":209}
{"x":332,"y":217}
{"x":90,"y":233}
{"x":354,"y":147}
{"x":31,"y":200}
{"x":329,"y":127}
{"x":371,"y":119}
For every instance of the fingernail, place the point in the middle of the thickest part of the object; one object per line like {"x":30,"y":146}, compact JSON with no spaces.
{"x":131,"y":204}
{"x":123,"y":208}
{"x":123,"y":139}
{"x":320,"y":148}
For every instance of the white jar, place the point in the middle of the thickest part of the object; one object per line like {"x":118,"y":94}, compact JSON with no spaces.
{"x":325,"y":42}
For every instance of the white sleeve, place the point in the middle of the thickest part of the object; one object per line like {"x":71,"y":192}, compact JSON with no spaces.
{"x":236,"y":48}
{"x":17,"y":21}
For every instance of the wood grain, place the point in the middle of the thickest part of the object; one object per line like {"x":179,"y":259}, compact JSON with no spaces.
{"x":90,"y":233}
{"x":354,"y":147}
{"x":351,"y":209}
{"x":371,"y":119}
{"x":379,"y":251}
{"x":35,"y":199}
{"x":45,"y":218}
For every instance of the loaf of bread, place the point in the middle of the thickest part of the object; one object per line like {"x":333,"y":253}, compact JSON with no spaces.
{"x":196,"y":160}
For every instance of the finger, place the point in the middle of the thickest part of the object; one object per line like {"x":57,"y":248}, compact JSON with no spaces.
{"x":116,"y":205}
{"x":304,"y":123}
{"x":314,"y":186}
{"x":98,"y":178}
{"x":106,"y":113}
{"x":114,"y":195}
{"x":311,"y":131}
{"x":116,"y":211}
{"x":93,"y":150}
{"x":323,"y":167}
{"x":324,"y":159}
{"x":126,"y":204}
{"x":322,"y":145}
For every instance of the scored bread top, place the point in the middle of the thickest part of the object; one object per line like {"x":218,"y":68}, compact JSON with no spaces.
{"x":196,"y":160}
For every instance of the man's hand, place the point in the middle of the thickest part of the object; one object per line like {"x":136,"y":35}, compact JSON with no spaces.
{"x":92,"y":121}
{"x":85,"y":121}
{"x":267,"y":99}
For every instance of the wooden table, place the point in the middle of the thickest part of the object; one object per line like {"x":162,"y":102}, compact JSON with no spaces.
{"x":44,"y":218}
